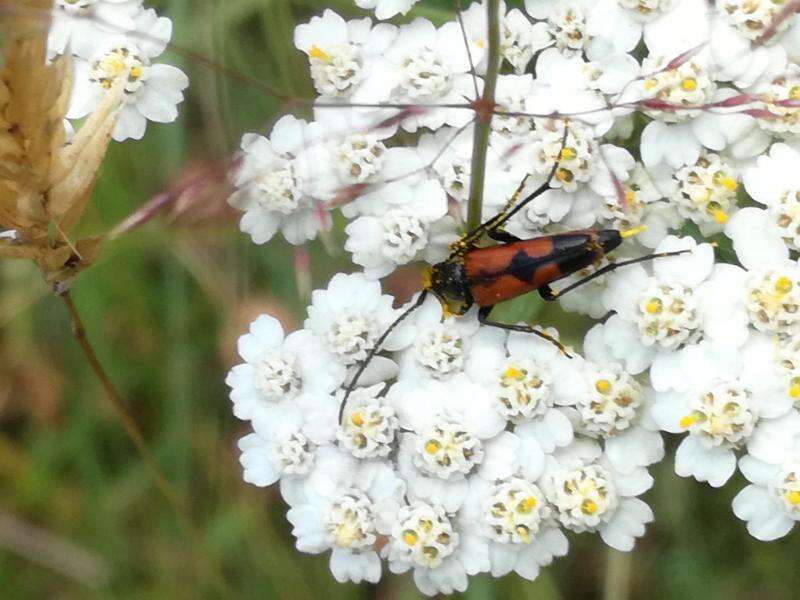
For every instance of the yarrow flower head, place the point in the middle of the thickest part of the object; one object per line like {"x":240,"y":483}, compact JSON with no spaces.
{"x":275,"y":185}
{"x":150,"y":91}
{"x":453,"y":435}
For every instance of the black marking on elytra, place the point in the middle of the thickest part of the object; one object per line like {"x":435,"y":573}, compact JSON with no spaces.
{"x":523,"y":267}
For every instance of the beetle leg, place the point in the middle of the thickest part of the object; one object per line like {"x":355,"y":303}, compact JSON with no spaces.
{"x":483,"y":317}
{"x":515,"y":205}
{"x":547,"y":293}
{"x":501,"y":235}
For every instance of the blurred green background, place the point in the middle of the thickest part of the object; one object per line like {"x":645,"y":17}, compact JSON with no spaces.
{"x":80,"y":516}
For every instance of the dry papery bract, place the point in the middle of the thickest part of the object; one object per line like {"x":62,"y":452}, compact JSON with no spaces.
{"x":46,"y":179}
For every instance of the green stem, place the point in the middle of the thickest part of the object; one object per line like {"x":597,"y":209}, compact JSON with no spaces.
{"x":617,"y":585}
{"x":120,"y":409}
{"x":483,"y":120}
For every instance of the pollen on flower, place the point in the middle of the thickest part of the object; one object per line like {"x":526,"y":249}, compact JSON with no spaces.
{"x":423,"y":535}
{"x":610,"y":404}
{"x":723,"y":415}
{"x":667,"y":314}
{"x":337,"y":70}
{"x":706,"y":191}
{"x":689,"y":84}
{"x":349,"y":522}
{"x":687,"y":87}
{"x":654,"y":306}
{"x":123,"y":61}
{"x":316,"y":52}
{"x":787,"y":487}
{"x":446,"y":450}
{"x":778,"y":99}
{"x":432,"y":447}
{"x":369,"y":428}
{"x":783,"y":285}
{"x":773,"y":300}
{"x":514,"y":511}
{"x":524,"y":390}
{"x":583,"y":497}
{"x":577,"y":161}
{"x":603,"y":386}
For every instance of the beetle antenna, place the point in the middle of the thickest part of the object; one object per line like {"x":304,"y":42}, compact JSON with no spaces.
{"x":613,"y":267}
{"x":376,"y":348}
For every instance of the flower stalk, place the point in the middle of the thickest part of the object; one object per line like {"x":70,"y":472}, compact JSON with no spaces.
{"x":617,"y":585}
{"x":483,"y":121}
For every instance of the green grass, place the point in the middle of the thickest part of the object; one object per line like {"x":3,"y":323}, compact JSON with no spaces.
{"x":163,"y":307}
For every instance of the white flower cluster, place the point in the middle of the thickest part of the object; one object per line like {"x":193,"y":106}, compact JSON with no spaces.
{"x":114,"y":40}
{"x":467,"y":449}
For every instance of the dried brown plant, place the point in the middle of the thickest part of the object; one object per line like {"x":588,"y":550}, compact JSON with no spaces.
{"x":46,"y":179}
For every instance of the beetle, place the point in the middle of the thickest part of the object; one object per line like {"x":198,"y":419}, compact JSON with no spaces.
{"x":485,"y":276}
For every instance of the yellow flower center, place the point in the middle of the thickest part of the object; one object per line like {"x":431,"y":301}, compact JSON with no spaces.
{"x":588,"y":507}
{"x":783,"y":285}
{"x":689,"y":84}
{"x":720,"y":216}
{"x":357,"y":419}
{"x":316,"y":52}
{"x":526,"y":505}
{"x":794,"y":389}
{"x":603,"y":386}
{"x":512,"y":373}
{"x":655,"y":306}
{"x":794,"y":93}
{"x":568,"y":154}
{"x":432,"y":447}
{"x":793,"y":497}
{"x":410,"y":537}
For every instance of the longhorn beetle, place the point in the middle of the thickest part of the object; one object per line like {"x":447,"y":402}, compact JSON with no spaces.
{"x":472,"y":275}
